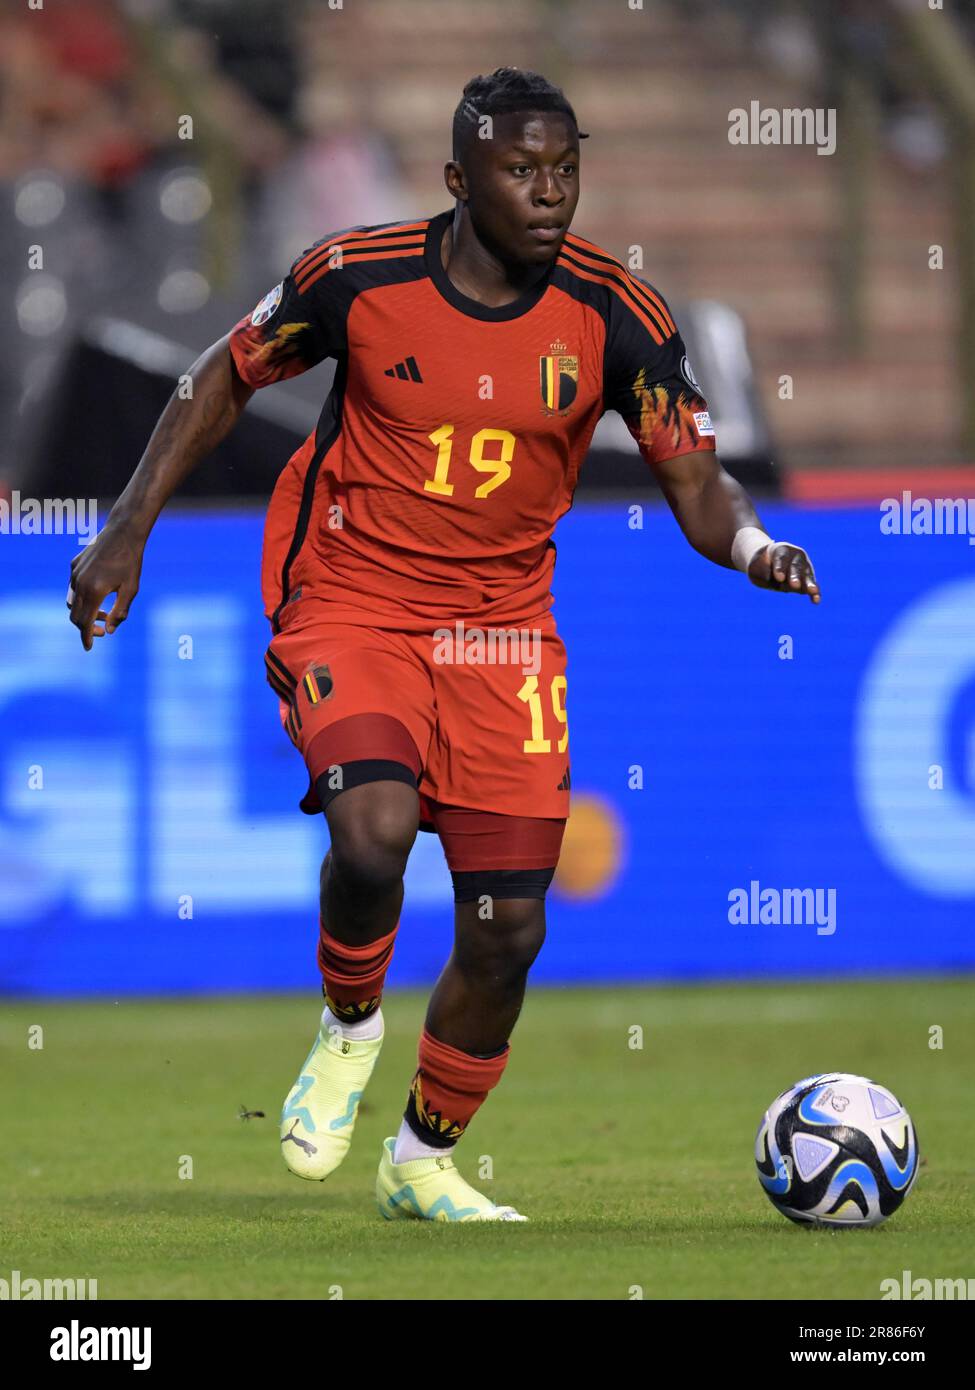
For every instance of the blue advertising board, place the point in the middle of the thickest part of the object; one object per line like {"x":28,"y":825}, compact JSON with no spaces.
{"x":761,"y":787}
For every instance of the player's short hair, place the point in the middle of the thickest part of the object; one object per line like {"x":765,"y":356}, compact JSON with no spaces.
{"x":501,"y":92}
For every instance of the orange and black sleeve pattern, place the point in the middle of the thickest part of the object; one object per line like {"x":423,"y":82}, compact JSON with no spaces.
{"x":648,"y":379}
{"x":304,"y":319}
{"x":294,"y":327}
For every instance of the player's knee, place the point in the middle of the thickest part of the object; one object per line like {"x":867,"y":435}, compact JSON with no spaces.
{"x":522,"y":934}
{"x":504,"y":941}
{"x":371,"y":841}
{"x":367,"y":862}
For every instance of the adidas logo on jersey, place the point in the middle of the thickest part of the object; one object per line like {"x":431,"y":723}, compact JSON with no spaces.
{"x":406,"y":371}
{"x":566,"y":782}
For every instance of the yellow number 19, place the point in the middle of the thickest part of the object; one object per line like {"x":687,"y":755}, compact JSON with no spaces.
{"x":528,"y":693}
{"x":500,"y":467}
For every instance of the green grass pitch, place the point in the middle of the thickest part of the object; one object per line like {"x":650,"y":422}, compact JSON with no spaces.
{"x":634,"y":1166}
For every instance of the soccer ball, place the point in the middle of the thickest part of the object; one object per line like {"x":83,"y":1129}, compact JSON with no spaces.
{"x":836,"y":1150}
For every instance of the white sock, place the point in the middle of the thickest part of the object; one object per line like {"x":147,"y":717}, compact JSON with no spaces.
{"x":408,"y":1147}
{"x":366,"y":1028}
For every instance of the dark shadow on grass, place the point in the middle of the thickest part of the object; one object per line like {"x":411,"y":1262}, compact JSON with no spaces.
{"x":316,"y":1202}
{"x":204,"y":1205}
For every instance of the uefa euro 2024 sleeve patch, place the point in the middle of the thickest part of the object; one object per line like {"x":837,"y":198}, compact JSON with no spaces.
{"x":267,"y":305}
{"x":687,"y":373}
{"x":702,"y":418}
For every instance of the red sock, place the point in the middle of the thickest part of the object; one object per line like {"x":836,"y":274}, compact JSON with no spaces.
{"x":448,"y":1089}
{"x":353,"y":975}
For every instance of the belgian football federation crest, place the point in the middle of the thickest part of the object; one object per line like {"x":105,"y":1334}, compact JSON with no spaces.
{"x":559,"y":380}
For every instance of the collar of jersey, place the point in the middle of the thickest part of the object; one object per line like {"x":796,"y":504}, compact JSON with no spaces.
{"x":472,"y":307}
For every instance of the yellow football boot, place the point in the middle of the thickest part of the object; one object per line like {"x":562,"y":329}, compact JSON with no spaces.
{"x":431,"y":1189}
{"x":320,"y":1111}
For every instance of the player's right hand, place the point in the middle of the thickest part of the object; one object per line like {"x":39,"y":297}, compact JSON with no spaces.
{"x":111,"y":564}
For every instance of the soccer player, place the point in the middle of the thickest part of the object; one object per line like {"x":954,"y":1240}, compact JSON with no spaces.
{"x":406,"y":577}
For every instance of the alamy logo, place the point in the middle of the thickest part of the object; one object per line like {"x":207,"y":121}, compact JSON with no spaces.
{"x":908,"y":515}
{"x":756,"y":906}
{"x":491,"y":646}
{"x":919,"y":1290}
{"x":49,"y":516}
{"x":764,"y":125}
{"x":77,"y":1343}
{"x":18,"y":1289}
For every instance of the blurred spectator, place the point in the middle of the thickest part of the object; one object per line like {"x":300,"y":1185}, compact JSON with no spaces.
{"x":70,"y":99}
{"x":343,"y":174}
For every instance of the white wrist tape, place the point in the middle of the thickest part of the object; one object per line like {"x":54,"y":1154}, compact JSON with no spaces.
{"x":746,"y":545}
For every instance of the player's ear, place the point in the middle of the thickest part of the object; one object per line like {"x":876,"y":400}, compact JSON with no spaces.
{"x":453,"y":177}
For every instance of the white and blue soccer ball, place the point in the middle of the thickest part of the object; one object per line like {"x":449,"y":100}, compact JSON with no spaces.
{"x":836,"y":1150}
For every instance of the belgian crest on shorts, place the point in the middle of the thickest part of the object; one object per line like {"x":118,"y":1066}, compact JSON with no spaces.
{"x":318,"y":684}
{"x":559,"y":379}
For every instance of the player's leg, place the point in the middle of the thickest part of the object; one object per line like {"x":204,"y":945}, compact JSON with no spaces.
{"x":464,"y":1046}
{"x":501,"y":743}
{"x":372,"y":827}
{"x":363,"y":771}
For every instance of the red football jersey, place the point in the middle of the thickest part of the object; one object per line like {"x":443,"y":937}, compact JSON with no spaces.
{"x":452,"y":439}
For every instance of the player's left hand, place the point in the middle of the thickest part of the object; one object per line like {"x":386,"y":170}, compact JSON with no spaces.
{"x":785,"y":568}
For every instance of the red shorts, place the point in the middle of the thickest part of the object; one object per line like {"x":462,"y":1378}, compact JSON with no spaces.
{"x":484,"y":707}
